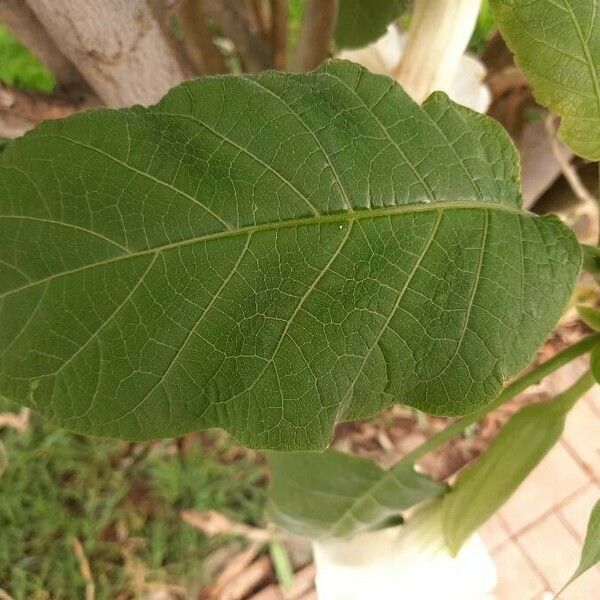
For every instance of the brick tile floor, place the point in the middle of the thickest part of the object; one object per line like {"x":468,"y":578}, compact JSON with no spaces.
{"x":536,"y":538}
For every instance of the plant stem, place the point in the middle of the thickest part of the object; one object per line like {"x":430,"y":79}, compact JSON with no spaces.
{"x":439,"y":33}
{"x":262,"y":16}
{"x":513,"y":389}
{"x":279,"y":11}
{"x":198,"y":41}
{"x":312,"y":47}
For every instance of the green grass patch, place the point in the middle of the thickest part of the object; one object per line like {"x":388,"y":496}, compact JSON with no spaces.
{"x":122,"y":501}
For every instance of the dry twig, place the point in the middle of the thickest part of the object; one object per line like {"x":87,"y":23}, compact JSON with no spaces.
{"x":247,"y":580}
{"x":304,"y":581}
{"x":84,"y":569}
{"x":234,"y":569}
{"x":214,"y":523}
{"x":589,"y":207}
{"x":568,"y":170}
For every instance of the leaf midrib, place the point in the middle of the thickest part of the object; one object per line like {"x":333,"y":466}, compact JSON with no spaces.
{"x":341,"y":218}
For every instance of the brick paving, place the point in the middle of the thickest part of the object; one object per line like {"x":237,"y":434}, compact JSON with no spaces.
{"x":537,"y":536}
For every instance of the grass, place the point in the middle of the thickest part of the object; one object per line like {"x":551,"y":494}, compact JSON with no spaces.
{"x":122,"y":502}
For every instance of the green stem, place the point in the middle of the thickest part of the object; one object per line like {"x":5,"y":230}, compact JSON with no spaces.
{"x":513,"y":389}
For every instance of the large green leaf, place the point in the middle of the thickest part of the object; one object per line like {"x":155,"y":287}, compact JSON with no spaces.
{"x":590,"y":554}
{"x":361,"y":22}
{"x":334,"y":494}
{"x":557,"y":44}
{"x":270,"y":254}
{"x":483,"y":487}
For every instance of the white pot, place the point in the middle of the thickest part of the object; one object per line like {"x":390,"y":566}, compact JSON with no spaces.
{"x":407,"y":562}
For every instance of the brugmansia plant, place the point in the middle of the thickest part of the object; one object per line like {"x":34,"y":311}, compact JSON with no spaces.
{"x":275,"y":253}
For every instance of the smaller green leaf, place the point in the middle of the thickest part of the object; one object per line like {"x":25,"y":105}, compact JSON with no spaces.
{"x":361,"y":22}
{"x":281,"y":565}
{"x":335,"y":495}
{"x":590,"y":316}
{"x":590,"y":555}
{"x":483,"y":487}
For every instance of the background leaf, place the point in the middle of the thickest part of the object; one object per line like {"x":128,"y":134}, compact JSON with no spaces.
{"x":590,"y":554}
{"x":361,"y":22}
{"x":557,"y":45}
{"x":335,"y":495}
{"x":270,"y":254}
{"x":483,"y":487}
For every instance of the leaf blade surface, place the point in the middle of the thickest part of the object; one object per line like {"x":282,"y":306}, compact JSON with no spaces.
{"x":270,"y":254}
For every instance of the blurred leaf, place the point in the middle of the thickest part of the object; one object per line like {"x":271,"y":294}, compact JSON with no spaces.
{"x":590,"y":554}
{"x":484,"y":486}
{"x":557,"y":45}
{"x":361,"y":22}
{"x":335,"y":495}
